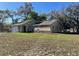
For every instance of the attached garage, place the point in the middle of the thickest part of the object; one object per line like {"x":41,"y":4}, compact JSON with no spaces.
{"x":48,"y":26}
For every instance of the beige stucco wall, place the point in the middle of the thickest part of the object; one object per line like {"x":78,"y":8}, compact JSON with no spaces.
{"x":55,"y":27}
{"x":37,"y":29}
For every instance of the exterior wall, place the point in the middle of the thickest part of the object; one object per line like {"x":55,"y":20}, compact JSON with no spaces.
{"x":26,"y":27}
{"x":20,"y":29}
{"x":42,"y":29}
{"x":53,"y":28}
{"x":14,"y":29}
{"x":29,"y":27}
{"x":17,"y":29}
{"x":56,"y":27}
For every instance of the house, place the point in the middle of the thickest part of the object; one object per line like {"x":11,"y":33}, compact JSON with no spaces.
{"x":48,"y":26}
{"x":25,"y":26}
{"x":29,"y":26}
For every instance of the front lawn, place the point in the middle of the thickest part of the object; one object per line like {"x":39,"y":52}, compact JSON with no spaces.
{"x":38,"y":44}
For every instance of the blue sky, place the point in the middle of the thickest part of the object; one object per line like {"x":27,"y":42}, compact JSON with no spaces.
{"x":40,"y":7}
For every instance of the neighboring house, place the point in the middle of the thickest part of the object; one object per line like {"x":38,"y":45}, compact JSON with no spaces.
{"x":25,"y":26}
{"x":48,"y":26}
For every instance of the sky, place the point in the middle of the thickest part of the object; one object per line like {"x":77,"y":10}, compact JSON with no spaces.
{"x":40,"y":7}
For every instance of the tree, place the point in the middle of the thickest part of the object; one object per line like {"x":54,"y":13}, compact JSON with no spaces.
{"x":37,"y":18}
{"x":24,"y":10}
{"x":69,"y":17}
{"x":19,"y":14}
{"x":3,"y":16}
{"x":62,"y":19}
{"x":33,"y":15}
{"x":11,"y":14}
{"x":72,"y":12}
{"x":54,"y":15}
{"x":43,"y":17}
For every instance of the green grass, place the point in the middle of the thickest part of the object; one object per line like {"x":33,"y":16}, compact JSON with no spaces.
{"x":41,"y":44}
{"x":47,"y":36}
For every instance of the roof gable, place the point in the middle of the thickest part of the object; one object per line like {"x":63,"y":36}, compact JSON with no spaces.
{"x":22,"y":23}
{"x":47,"y":22}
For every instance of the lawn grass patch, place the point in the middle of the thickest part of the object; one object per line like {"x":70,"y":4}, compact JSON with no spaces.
{"x":42,"y":44}
{"x":47,"y":36}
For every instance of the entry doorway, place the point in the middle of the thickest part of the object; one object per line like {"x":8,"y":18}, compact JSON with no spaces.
{"x":24,"y":28}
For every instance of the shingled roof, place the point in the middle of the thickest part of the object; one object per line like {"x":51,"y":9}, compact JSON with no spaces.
{"x":47,"y":23}
{"x":22,"y":23}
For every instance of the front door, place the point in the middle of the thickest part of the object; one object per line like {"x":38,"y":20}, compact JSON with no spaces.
{"x":24,"y":28}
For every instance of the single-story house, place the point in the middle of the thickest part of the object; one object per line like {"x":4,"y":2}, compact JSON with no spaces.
{"x":48,"y":26}
{"x":25,"y":26}
{"x":28,"y":26}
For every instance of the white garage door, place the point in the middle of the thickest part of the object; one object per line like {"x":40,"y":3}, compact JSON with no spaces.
{"x":15,"y":29}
